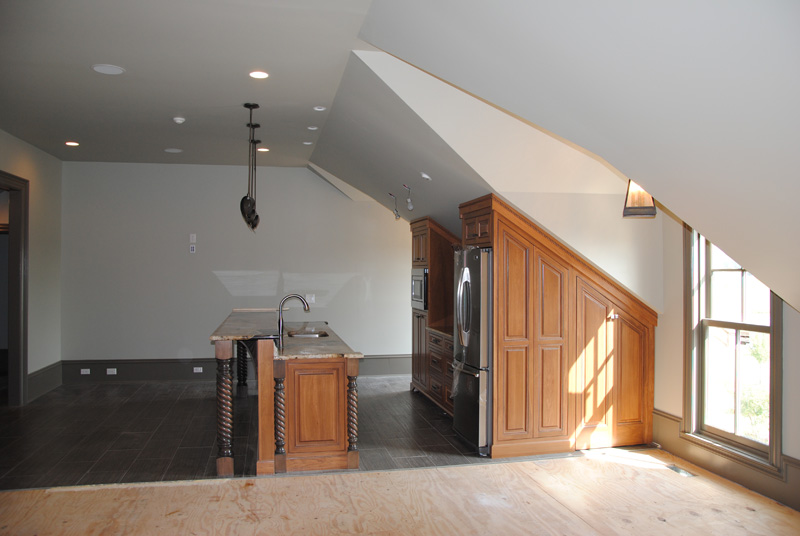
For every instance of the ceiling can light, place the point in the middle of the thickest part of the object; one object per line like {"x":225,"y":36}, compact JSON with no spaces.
{"x":179,"y":120}
{"x":313,"y":128}
{"x":308,"y":143}
{"x":173,"y":150}
{"x":263,"y":149}
{"x":319,"y":108}
{"x":71,"y":143}
{"x":105,"y":68}
{"x":638,"y":203}
{"x":258,"y":75}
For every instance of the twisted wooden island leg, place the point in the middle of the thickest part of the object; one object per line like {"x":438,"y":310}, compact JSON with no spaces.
{"x":224,"y":354}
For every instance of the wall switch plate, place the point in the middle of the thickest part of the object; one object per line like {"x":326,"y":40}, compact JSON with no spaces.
{"x":311,"y":298}
{"x":192,"y":248}
{"x":111,"y":372}
{"x":85,"y":371}
{"x":192,"y":238}
{"x":197,"y":370}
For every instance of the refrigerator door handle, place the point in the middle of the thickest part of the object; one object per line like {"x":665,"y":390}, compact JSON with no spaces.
{"x":463,"y":307}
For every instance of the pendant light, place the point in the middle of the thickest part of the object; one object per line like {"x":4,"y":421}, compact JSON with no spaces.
{"x":248,"y":202}
{"x":638,"y":203}
{"x":396,"y":214}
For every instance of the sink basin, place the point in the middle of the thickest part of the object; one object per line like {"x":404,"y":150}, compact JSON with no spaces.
{"x":308,"y":333}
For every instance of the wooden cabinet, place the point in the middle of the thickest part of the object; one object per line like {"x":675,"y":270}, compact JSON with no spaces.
{"x":433,"y":248}
{"x":613,"y":373}
{"x":440,"y":372}
{"x":419,"y":244}
{"x":573,"y":351}
{"x":419,"y":350}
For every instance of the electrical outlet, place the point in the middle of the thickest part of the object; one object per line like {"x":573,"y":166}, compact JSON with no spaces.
{"x":111,"y":372}
{"x":192,"y":238}
{"x":311,"y":298}
{"x":192,"y":248}
{"x":197,"y":370}
{"x":85,"y":371}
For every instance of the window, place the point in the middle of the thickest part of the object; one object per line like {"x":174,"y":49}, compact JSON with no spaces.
{"x":733,"y":359}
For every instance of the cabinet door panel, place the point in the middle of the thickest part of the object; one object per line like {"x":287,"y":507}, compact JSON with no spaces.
{"x":316,"y":399}
{"x":596,"y":376}
{"x":551,"y":383}
{"x":515,"y":419}
{"x":551,"y":300}
{"x":516,"y":288}
{"x":630,"y":373}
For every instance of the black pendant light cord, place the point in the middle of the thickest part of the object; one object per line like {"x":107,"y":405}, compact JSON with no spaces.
{"x":248,"y":203}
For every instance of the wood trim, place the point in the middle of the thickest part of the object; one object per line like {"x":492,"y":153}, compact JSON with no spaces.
{"x":18,"y":247}
{"x":780,"y":485}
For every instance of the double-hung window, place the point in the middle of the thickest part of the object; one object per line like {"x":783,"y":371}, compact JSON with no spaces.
{"x":733,"y":367}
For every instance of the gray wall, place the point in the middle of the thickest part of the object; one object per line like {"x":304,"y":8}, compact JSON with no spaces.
{"x":132,"y":290}
{"x":44,"y":255}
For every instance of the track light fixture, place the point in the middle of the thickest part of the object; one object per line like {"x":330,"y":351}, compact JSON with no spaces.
{"x":410,"y":205}
{"x":396,"y":214}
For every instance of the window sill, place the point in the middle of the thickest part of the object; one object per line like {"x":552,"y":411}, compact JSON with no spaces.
{"x":741,"y":456}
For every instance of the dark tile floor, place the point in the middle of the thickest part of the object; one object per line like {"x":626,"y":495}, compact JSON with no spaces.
{"x":141,"y":432}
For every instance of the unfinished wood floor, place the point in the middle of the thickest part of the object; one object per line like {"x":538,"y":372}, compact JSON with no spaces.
{"x":610,"y":491}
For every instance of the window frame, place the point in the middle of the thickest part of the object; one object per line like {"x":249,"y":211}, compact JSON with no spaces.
{"x":696,"y":299}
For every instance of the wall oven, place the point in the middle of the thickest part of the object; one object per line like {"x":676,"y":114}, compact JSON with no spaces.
{"x":419,"y":288}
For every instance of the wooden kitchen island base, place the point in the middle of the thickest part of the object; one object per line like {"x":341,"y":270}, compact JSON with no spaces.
{"x":309,"y":420}
{"x":307,"y":394}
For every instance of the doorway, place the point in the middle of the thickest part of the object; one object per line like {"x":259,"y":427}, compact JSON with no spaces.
{"x":16,"y":393}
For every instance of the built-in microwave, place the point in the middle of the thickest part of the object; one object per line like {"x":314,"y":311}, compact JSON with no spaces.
{"x":419,"y":288}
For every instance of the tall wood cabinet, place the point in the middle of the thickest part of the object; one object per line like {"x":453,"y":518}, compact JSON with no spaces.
{"x":573,"y":351}
{"x":432,"y":247}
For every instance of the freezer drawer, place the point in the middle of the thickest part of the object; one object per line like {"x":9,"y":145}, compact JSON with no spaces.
{"x":472,"y":409}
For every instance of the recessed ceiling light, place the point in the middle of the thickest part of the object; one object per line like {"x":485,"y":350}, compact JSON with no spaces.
{"x":173,"y":150}
{"x":104,"y":68}
{"x":319,"y":108}
{"x":179,"y":120}
{"x":313,"y":128}
{"x":258,"y":74}
{"x":72,"y":143}
{"x":308,"y":143}
{"x":425,"y":176}
{"x":263,"y":150}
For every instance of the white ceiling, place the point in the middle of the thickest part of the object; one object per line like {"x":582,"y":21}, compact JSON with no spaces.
{"x":186,"y":58}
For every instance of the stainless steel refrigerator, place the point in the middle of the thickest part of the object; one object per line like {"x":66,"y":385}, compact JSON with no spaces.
{"x":472,"y":360}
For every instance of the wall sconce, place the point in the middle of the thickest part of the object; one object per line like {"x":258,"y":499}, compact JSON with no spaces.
{"x":638,"y":203}
{"x":408,"y":200}
{"x":396,"y":214}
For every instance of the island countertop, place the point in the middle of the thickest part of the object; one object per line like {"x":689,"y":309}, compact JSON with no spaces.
{"x":247,"y":324}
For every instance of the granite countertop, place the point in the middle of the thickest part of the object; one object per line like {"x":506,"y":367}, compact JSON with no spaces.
{"x":246,"y":324}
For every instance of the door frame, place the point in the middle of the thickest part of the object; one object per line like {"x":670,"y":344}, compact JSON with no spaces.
{"x":18,"y":198}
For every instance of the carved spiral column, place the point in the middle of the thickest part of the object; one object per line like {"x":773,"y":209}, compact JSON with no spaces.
{"x":241,"y":362}
{"x":224,"y":408}
{"x":280,"y":417}
{"x":352,"y":413}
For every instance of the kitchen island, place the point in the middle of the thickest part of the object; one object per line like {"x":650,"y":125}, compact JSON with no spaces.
{"x":307,"y":394}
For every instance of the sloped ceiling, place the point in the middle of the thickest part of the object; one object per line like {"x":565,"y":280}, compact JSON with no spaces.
{"x":376,"y":143}
{"x":696,"y":101}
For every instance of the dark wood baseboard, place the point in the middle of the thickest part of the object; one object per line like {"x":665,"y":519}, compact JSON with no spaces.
{"x":782,"y":488}
{"x":138,"y":370}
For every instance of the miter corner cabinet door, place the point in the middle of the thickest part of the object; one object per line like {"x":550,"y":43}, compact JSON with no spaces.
{"x":613,"y":371}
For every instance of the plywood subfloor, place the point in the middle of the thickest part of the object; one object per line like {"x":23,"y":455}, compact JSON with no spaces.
{"x":610,"y":491}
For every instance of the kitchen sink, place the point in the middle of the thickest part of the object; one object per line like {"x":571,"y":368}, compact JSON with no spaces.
{"x":308,"y":333}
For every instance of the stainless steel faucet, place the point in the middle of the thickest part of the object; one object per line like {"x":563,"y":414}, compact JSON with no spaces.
{"x":280,"y":314}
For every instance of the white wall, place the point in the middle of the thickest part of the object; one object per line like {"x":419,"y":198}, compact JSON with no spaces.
{"x":132,"y":290}
{"x":669,"y":345}
{"x":43,"y":172}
